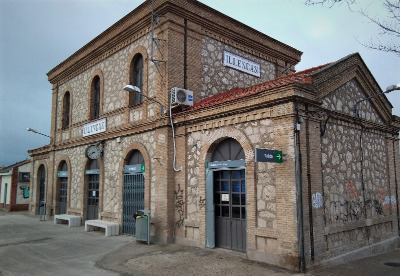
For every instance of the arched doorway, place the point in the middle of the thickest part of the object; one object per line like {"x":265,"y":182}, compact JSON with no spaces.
{"x":62,"y":175}
{"x":93,"y":175}
{"x":226,"y":189}
{"x":133,"y":191}
{"x":42,"y":190}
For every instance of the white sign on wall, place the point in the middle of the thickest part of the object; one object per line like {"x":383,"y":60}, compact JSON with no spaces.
{"x":317,"y":200}
{"x":94,"y":127}
{"x":241,"y":64}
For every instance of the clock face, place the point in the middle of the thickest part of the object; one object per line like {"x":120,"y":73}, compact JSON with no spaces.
{"x":93,"y":152}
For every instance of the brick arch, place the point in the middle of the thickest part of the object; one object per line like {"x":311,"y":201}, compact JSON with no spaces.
{"x":99,"y":73}
{"x":147,"y":175}
{"x":62,"y":158}
{"x":143,"y":51}
{"x":213,"y":139}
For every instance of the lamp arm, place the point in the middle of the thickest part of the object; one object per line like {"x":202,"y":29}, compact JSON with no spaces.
{"x":371,"y":97}
{"x":161,"y":106}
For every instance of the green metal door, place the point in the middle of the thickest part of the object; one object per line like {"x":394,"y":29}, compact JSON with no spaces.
{"x":133,"y":200}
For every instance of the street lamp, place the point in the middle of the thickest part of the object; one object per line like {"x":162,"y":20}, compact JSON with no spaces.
{"x":135,"y":89}
{"x":35,"y":131}
{"x":388,"y":90}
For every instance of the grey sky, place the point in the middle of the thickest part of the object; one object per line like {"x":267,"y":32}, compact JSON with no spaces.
{"x":36,"y":35}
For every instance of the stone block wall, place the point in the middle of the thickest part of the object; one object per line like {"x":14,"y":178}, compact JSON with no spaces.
{"x":217,"y":78}
{"x":110,"y":177}
{"x":114,"y":72}
{"x":359,"y":202}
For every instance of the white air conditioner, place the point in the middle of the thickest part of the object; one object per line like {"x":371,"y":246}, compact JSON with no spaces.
{"x":181,"y":96}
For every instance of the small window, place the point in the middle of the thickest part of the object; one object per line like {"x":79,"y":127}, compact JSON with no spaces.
{"x":96,"y":97}
{"x":24,"y":176}
{"x":136,"y":79}
{"x":66,"y":110}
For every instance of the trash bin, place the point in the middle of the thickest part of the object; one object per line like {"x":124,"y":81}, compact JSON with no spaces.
{"x":143,"y":226}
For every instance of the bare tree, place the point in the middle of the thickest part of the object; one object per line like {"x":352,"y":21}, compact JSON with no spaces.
{"x":389,"y":25}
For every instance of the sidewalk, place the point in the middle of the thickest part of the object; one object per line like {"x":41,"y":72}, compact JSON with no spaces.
{"x":387,"y":264}
{"x":32,"y":247}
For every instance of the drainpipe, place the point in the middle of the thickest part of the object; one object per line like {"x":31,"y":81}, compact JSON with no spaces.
{"x":396,"y":187}
{"x":185,"y":55}
{"x":299,"y":195}
{"x":310,"y":213}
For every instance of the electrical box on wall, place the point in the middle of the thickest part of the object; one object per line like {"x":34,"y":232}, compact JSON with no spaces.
{"x":181,"y":96}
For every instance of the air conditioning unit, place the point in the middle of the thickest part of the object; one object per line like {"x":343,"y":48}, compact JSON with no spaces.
{"x":181,"y":96}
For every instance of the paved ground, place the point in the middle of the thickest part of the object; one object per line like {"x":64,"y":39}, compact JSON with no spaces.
{"x":32,"y":247}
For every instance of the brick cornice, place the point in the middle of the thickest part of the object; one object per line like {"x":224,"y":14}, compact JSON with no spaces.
{"x":351,"y":67}
{"x":138,"y":23}
{"x":235,"y":33}
{"x":252,"y":104}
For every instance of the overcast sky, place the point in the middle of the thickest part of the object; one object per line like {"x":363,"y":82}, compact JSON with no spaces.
{"x":37,"y":35}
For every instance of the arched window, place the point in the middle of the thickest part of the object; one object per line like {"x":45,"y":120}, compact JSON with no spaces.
{"x":66,"y":110}
{"x":136,"y":79}
{"x":95,"y":98}
{"x":135,"y":158}
{"x":228,"y":149}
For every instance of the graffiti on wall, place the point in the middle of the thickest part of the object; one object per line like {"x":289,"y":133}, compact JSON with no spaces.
{"x":347,"y":202}
{"x":180,"y":205}
{"x":25,"y":191}
{"x":202,"y":202}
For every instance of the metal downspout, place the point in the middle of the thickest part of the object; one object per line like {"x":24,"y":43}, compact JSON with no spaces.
{"x":396,"y":187}
{"x":310,"y":213}
{"x":299,"y":199}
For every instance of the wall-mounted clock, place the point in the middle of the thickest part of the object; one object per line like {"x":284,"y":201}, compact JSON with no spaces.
{"x":93,"y":152}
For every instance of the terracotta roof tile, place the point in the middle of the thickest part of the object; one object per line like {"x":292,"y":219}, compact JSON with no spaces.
{"x":302,"y":77}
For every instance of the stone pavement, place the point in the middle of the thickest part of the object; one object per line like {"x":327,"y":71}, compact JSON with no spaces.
{"x":32,"y":247}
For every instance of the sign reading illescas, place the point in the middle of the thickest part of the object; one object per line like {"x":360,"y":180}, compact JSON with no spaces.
{"x":94,"y":127}
{"x":241,"y":64}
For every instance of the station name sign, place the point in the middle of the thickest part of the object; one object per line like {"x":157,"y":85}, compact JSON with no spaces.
{"x":241,"y":64}
{"x":94,"y":127}
{"x":265,"y":155}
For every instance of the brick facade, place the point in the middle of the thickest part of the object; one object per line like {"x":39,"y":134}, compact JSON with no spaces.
{"x":299,"y":212}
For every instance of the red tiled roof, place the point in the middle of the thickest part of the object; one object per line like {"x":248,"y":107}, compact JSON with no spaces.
{"x":302,"y":77}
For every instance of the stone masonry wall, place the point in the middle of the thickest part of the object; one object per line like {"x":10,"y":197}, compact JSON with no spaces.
{"x":112,"y":159}
{"x":355,"y":176}
{"x":343,"y":99}
{"x":216,"y":78}
{"x":115,"y":71}
{"x":260,"y":133}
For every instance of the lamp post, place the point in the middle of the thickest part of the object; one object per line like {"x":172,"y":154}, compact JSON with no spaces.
{"x":388,"y":90}
{"x":135,"y":89}
{"x":35,"y":131}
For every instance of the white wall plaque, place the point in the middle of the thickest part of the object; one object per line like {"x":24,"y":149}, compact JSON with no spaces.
{"x":317,"y":200}
{"x":241,"y":64}
{"x":94,"y":127}
{"x":225,"y":197}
